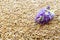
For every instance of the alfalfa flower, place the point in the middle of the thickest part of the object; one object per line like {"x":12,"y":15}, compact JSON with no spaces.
{"x":44,"y":15}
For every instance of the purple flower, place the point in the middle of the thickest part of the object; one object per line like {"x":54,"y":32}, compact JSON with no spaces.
{"x":44,"y":15}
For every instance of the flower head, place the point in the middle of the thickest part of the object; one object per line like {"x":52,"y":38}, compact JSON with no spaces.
{"x":44,"y":15}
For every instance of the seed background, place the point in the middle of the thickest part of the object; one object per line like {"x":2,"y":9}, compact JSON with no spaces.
{"x":17,"y":20}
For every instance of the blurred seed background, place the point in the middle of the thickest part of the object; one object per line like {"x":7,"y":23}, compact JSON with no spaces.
{"x":17,"y":20}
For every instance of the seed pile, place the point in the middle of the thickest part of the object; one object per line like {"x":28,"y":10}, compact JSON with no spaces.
{"x":17,"y":20}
